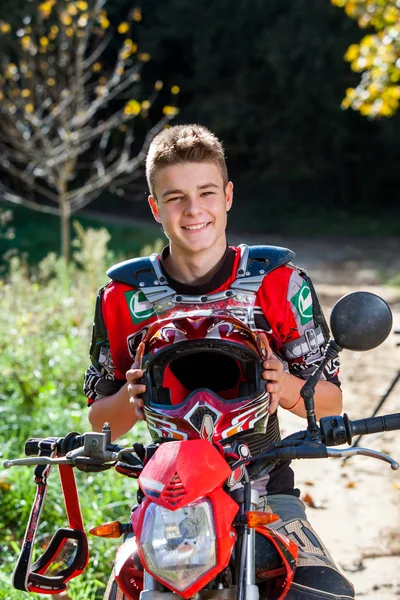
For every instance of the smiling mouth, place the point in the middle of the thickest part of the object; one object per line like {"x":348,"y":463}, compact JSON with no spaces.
{"x":195,"y":227}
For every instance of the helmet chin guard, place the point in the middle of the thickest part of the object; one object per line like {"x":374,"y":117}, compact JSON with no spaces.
{"x":203,"y":376}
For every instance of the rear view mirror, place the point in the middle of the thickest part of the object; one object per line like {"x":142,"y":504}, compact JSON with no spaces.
{"x":360,"y":321}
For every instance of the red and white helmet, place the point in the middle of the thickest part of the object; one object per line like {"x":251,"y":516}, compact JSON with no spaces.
{"x":202,"y":373}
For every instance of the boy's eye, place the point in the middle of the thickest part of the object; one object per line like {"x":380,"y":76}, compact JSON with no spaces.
{"x":207,"y":193}
{"x":174,"y":198}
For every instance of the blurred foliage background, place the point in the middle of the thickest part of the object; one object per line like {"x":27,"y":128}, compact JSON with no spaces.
{"x":304,"y":95}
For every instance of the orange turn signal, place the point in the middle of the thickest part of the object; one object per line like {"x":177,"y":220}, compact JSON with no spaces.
{"x":260,"y":519}
{"x":107,"y":530}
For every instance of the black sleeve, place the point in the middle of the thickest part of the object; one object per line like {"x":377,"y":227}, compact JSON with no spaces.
{"x":99,"y":378}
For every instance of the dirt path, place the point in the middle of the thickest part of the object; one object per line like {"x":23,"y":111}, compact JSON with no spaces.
{"x":357,"y":504}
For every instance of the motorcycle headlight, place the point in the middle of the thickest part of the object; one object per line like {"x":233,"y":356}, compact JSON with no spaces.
{"x":179,"y":546}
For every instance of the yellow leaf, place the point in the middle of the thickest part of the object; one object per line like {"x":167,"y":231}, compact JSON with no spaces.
{"x":123,"y":27}
{"x":132,"y":107}
{"x":25,"y":93}
{"x":352,"y":52}
{"x":45,"y":9}
{"x":365,"y":110}
{"x":5,"y":27}
{"x":144,"y":56}
{"x":29,"y":108}
{"x":97,"y":67}
{"x":170,"y":111}
{"x":5,"y":486}
{"x":51,"y":81}
{"x":104,"y":23}
{"x":72,"y":10}
{"x":69,"y":31}
{"x":82,"y":5}
{"x":158,"y":85}
{"x":119,"y":70}
{"x":44,"y":41}
{"x":65,"y":19}
{"x":54,"y":29}
{"x":145,"y":105}
{"x":137,"y":14}
{"x":175,"y":90}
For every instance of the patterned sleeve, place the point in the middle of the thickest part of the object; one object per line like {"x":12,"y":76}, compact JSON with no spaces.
{"x":99,"y":379}
{"x":309,"y":333}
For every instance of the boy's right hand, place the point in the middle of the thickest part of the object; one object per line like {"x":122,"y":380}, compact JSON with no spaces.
{"x":135,"y":388}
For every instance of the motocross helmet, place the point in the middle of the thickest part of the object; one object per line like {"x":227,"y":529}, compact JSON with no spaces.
{"x":202,"y":373}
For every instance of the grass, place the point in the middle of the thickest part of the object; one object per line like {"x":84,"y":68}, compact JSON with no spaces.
{"x":37,"y":234}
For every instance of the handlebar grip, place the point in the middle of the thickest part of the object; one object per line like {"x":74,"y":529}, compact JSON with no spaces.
{"x":375,"y":424}
{"x":32,"y":446}
{"x":64,"y":445}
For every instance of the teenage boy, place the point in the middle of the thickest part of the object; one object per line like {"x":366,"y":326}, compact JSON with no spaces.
{"x":190,"y":196}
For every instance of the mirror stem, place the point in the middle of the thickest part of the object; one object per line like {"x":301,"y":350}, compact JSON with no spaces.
{"x":308,"y":389}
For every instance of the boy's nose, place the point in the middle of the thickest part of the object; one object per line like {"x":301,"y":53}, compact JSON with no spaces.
{"x":192,"y":206}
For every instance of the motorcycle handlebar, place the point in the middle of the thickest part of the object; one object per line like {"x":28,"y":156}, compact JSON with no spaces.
{"x":340,"y":430}
{"x":63,"y":445}
{"x":376,"y":424}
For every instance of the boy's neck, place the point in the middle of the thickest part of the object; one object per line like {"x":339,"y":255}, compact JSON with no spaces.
{"x":194,"y":269}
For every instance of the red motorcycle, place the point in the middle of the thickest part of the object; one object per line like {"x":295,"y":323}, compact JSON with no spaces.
{"x":193,"y":533}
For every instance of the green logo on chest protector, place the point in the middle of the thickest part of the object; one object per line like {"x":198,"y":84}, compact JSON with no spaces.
{"x":139,"y":307}
{"x":302,"y":302}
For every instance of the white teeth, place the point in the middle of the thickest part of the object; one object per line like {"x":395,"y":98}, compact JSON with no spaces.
{"x":191,"y":227}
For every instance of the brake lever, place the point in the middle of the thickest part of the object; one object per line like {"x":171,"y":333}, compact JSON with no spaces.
{"x":36,"y":460}
{"x":366,"y":452}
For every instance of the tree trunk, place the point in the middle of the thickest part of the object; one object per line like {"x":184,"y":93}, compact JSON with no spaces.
{"x":65,"y":223}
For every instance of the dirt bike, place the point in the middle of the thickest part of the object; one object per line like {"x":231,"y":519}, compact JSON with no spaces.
{"x":193,"y":533}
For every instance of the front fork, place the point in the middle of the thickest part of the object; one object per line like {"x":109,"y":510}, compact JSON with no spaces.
{"x":249,"y":591}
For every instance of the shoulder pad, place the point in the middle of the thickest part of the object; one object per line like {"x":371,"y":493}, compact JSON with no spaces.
{"x":143,"y":271}
{"x":255,"y":259}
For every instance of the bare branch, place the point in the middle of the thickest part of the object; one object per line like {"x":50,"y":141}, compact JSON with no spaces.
{"x":19,"y":200}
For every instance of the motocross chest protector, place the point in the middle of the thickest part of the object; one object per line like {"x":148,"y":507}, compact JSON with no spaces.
{"x":145,"y":274}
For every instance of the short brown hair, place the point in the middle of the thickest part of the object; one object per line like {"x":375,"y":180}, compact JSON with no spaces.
{"x":184,"y":143}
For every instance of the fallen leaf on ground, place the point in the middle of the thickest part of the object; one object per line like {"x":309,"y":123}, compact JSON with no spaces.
{"x":309,"y":501}
{"x":351,"y":484}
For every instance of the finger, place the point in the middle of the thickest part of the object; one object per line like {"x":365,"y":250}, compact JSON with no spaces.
{"x":273,"y":364}
{"x":273,"y":403}
{"x":134,"y":390}
{"x":137,"y":402}
{"x":271,"y":375}
{"x":273,"y":388}
{"x":139,"y":412}
{"x":264,"y":341}
{"x":139,"y":354}
{"x":133,"y":374}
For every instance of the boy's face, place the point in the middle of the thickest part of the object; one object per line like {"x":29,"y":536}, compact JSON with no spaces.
{"x":191,"y":203}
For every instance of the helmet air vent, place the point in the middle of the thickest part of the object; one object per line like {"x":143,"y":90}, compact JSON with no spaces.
{"x":197,"y":417}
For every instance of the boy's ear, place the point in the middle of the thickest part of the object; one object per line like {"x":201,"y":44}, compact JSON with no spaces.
{"x":154,"y":208}
{"x":229,"y":195}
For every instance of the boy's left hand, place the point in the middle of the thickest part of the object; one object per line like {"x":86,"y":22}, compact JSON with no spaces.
{"x":273,"y":372}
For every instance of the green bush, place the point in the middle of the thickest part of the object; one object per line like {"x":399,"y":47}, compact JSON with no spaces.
{"x":44,"y":340}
